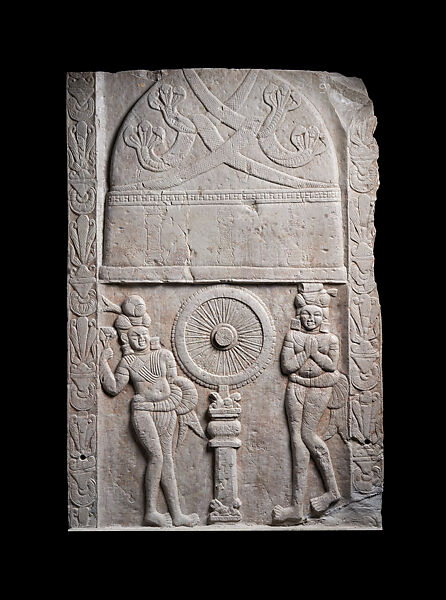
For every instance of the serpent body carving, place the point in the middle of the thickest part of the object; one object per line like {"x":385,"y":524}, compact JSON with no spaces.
{"x":308,"y":141}
{"x":148,"y":140}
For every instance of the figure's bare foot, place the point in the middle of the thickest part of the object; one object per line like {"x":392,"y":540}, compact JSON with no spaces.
{"x":186,"y":520}
{"x":321,"y":503}
{"x":290,"y":513}
{"x":158,"y":519}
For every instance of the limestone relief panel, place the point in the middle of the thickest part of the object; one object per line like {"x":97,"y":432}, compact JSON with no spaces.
{"x":224,"y":329}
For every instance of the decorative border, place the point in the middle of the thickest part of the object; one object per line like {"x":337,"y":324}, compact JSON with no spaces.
{"x":82,"y":300}
{"x":332,"y":194}
{"x":365,"y":419}
{"x":366,"y":426}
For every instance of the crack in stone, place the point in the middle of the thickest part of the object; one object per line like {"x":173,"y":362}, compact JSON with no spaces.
{"x":356,"y":501}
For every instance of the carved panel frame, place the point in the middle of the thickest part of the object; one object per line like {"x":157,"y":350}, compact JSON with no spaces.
{"x":82,"y":300}
{"x":365,"y":406}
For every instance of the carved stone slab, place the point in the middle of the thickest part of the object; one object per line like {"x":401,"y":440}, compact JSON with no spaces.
{"x":224,"y":327}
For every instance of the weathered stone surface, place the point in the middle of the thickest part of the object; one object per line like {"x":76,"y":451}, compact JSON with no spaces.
{"x":224,"y":322}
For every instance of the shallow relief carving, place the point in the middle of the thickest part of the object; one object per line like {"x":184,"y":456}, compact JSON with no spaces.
{"x":277,"y":220}
{"x":82,"y":294}
{"x":309,"y":357}
{"x":365,"y":316}
{"x":81,"y":132}
{"x":163,"y":404}
{"x":164,"y":142}
{"x":223,"y":337}
{"x":183,"y":133}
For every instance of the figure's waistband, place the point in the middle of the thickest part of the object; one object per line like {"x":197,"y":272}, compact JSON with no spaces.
{"x":140,"y":403}
{"x":324,"y":380}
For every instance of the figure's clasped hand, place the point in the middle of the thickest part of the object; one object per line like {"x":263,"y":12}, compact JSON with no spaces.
{"x":310,"y":345}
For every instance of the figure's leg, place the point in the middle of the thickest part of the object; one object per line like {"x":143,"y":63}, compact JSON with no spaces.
{"x":148,"y":435}
{"x":317,"y":402}
{"x":166,"y":426}
{"x":300,"y":457}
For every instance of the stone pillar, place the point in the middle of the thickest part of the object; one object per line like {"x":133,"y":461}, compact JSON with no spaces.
{"x":223,"y":431}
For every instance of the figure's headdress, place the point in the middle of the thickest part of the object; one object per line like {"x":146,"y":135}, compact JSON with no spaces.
{"x":314,"y":294}
{"x":133,"y":315}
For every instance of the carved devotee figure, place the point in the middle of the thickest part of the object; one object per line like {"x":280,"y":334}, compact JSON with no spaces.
{"x":309,"y":357}
{"x":162,"y":401}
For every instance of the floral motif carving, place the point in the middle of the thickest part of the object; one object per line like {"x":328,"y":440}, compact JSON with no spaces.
{"x":82,"y":429}
{"x":82,"y":197}
{"x":83,"y":363}
{"x":220,"y":512}
{"x":82,"y":332}
{"x":364,"y":336}
{"x":367,"y":468}
{"x":82,"y":256}
{"x":365,"y":323}
{"x":81,"y":150}
{"x":82,"y":235}
{"x":366,"y":421}
{"x":362,"y":234}
{"x":363,"y":154}
{"x":80,"y":102}
{"x":82,"y":232}
{"x":83,"y":494}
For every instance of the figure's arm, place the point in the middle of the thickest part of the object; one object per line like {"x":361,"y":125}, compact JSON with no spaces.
{"x":112,"y":384}
{"x":171,"y":367}
{"x":329,"y":361}
{"x":290,"y":360}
